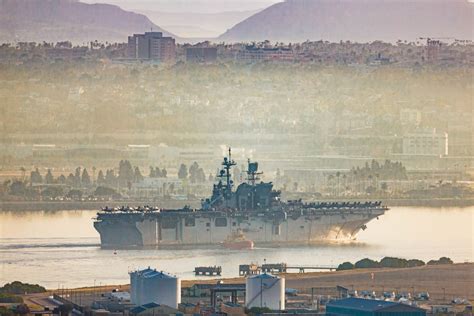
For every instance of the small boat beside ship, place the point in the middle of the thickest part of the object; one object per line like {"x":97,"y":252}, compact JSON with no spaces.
{"x":237,"y":241}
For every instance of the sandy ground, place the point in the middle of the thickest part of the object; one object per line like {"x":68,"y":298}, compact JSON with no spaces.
{"x":443,"y":282}
{"x":457,"y":280}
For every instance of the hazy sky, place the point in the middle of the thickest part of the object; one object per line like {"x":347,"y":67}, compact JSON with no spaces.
{"x":184,"y":17}
{"x":207,"y":6}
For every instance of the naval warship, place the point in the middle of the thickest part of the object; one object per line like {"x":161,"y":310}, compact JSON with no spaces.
{"x":253,"y":208}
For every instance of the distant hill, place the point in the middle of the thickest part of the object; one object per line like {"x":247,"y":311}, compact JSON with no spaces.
{"x":59,"y":20}
{"x":356,"y":20}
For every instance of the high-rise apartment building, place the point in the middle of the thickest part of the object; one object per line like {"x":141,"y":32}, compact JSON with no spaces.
{"x":152,"y":46}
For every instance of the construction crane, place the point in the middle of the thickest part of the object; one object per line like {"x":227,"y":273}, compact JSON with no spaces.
{"x":433,"y":45}
{"x":437,"y":40}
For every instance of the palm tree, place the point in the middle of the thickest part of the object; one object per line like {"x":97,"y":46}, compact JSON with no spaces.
{"x":370,"y":181}
{"x":356,"y":180}
{"x":23,"y":172}
{"x":338,"y":174}
{"x":376,"y":181}
{"x":344,"y":178}
{"x":93,"y":175}
{"x":330,"y":178}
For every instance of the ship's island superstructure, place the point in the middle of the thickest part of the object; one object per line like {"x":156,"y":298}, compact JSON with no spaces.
{"x":254,"y":208}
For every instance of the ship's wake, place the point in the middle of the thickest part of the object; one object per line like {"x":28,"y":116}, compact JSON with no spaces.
{"x":47,"y":243}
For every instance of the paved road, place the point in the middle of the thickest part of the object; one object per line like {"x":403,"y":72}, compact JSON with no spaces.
{"x":39,"y":300}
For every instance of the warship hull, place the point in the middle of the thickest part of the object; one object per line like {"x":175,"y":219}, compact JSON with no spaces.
{"x":254,"y":209}
{"x":208,"y":228}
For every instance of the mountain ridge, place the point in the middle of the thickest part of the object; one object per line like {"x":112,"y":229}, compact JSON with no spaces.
{"x":72,"y":20}
{"x":361,"y":20}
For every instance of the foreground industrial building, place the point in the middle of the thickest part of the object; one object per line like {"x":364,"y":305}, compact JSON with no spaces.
{"x":365,"y":307}
{"x":157,"y":293}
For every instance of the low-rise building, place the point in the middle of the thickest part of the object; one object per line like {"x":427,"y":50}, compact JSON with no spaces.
{"x":441,"y":309}
{"x":253,"y":53}
{"x":156,"y":187}
{"x":153,"y":309}
{"x":411,"y":117}
{"x":201,"y":54}
{"x":425,"y":142}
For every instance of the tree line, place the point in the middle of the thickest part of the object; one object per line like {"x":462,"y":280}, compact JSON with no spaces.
{"x":107,"y":182}
{"x":391,"y":262}
{"x":369,"y":179}
{"x":194,"y":174}
{"x":387,"y":171}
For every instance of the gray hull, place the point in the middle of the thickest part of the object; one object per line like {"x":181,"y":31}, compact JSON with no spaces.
{"x":207,"y":228}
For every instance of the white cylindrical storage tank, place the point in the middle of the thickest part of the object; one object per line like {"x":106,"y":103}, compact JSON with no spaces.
{"x":133,"y":286}
{"x":265,"y":290}
{"x":155,"y":287}
{"x":136,"y":285}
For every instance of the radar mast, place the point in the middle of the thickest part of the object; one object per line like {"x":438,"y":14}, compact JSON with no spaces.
{"x":252,"y":172}
{"x":227,"y":164}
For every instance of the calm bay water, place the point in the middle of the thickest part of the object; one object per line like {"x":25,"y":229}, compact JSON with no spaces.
{"x":61,"y":249}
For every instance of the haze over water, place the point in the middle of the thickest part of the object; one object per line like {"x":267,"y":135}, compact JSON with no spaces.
{"x":62,"y":249}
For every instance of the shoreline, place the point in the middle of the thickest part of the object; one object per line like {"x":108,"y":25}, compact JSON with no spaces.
{"x":456,"y":279}
{"x":86,"y":205}
{"x":97,"y":205}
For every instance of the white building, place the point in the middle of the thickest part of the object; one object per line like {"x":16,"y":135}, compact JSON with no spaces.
{"x":426,"y":142}
{"x":156,"y":187}
{"x":410,"y":117}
